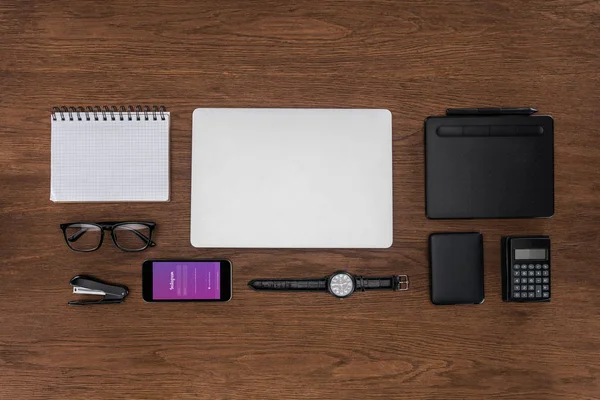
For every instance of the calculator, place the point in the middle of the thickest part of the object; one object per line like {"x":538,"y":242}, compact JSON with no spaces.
{"x":526,"y":268}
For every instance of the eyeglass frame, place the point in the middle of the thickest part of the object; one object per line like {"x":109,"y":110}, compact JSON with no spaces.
{"x":110,"y":226}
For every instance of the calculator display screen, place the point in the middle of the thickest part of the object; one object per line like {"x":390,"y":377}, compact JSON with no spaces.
{"x":530,"y":254}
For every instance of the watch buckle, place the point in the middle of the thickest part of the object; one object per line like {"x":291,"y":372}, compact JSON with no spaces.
{"x":402,"y":282}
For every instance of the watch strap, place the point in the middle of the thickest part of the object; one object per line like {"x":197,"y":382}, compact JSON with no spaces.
{"x":396,"y":282}
{"x":289,"y":284}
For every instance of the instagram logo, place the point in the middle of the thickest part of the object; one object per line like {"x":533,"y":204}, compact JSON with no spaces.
{"x":172,"y":283}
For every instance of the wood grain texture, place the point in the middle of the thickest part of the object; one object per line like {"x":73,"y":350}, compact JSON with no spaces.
{"x":414,"y":58}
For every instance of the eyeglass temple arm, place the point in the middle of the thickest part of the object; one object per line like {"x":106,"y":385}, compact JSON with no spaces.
{"x":77,"y":235}
{"x":142,"y":236}
{"x":74,"y":237}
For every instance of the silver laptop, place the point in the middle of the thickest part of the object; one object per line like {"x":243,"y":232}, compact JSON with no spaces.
{"x":291,"y":178}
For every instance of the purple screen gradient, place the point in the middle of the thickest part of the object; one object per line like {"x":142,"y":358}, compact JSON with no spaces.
{"x":186,"y":280}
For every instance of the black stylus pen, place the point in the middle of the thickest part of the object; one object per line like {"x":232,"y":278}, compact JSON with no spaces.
{"x":491,"y":111}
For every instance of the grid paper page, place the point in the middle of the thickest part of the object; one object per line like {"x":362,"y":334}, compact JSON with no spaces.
{"x":110,"y":160}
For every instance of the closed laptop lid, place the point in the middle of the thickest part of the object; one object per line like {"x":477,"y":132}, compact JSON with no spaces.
{"x":292,"y":178}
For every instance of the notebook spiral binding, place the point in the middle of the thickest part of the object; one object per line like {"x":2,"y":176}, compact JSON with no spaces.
{"x":106,"y":113}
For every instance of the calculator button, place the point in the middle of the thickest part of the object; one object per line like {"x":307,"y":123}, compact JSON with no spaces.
{"x":545,"y":273}
{"x":517,"y":280}
{"x":516,"y":266}
{"x":516,"y":288}
{"x":545,"y":266}
{"x":538,"y":273}
{"x":530,"y":295}
{"x":545,"y":280}
{"x":538,"y":280}
{"x":530,"y":266}
{"x":517,"y":295}
{"x":545,"y":295}
{"x":523,"y":280}
{"x":530,"y":287}
{"x":545,"y":288}
{"x":530,"y":280}
{"x":530,"y":273}
{"x":517,"y":273}
{"x":538,"y":266}
{"x":538,"y":291}
{"x":524,"y":266}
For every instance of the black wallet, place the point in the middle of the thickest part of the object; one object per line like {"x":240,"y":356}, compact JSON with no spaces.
{"x":456,"y":261}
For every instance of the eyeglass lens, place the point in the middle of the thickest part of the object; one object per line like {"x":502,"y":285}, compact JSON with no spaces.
{"x":83,"y":237}
{"x":132,"y":237}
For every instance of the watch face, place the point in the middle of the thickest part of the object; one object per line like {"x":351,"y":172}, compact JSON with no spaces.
{"x":341,"y":284}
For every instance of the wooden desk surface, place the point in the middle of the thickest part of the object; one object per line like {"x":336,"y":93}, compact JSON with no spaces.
{"x":415,"y":59}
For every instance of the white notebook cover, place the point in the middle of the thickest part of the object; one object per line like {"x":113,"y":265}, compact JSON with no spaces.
{"x":292,"y":178}
{"x":108,"y":160}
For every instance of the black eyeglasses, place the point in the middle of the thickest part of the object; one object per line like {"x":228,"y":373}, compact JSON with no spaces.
{"x":127,"y":236}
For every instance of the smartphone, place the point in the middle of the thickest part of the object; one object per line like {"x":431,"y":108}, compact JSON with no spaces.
{"x":186,"y":280}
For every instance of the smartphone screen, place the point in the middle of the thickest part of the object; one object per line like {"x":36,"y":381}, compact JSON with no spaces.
{"x":186,"y":280}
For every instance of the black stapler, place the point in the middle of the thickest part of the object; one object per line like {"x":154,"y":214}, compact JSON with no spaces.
{"x":88,"y":285}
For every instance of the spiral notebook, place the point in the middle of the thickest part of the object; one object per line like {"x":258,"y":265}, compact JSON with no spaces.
{"x":102,"y":154}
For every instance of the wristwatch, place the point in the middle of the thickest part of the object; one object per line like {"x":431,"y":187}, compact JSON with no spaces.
{"x":340,"y":284}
